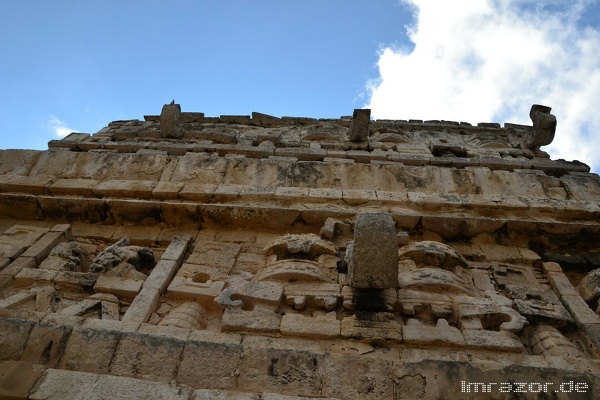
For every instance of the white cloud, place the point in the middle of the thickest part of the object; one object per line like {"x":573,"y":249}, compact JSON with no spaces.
{"x":489,"y":61}
{"x":59,"y":127}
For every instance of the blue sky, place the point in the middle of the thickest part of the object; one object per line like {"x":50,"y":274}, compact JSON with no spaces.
{"x":77,"y":65}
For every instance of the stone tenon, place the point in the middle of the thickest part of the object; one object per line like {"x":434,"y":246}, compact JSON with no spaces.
{"x":255,"y":257}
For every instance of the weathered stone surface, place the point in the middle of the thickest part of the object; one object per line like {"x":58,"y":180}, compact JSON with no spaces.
{"x":373,"y":259}
{"x":544,"y":127}
{"x":13,"y":335}
{"x":226,"y":352}
{"x":359,"y":129}
{"x":169,"y":121}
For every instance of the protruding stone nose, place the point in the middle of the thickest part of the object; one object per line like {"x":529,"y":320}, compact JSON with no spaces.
{"x":373,"y":256}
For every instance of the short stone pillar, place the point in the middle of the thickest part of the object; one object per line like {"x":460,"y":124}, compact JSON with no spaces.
{"x":169,"y":121}
{"x":359,"y":128}
{"x":373,"y":256}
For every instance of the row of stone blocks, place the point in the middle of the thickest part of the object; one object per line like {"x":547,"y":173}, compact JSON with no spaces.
{"x":77,"y":351}
{"x":400,"y":156}
{"x":95,"y":191}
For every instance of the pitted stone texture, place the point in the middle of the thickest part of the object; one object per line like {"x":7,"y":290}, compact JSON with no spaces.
{"x":374,"y":255}
{"x":359,"y":129}
{"x":544,"y":127}
{"x":169,"y":121}
{"x":589,"y":287}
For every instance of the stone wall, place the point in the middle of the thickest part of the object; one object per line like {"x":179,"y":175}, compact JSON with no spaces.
{"x":255,"y":257}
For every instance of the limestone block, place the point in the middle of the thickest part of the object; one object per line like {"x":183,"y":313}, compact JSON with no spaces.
{"x":292,"y":194}
{"x":25,"y":184}
{"x":276,"y":396}
{"x":20,"y":206}
{"x":371,"y":326}
{"x":373,"y":259}
{"x":133,"y":211}
{"x":323,"y":195}
{"x":544,"y":128}
{"x":364,"y":377}
{"x":415,"y":332}
{"x":560,"y":283}
{"x":359,"y":128}
{"x":122,"y":288}
{"x":591,"y":337}
{"x":482,"y":280}
{"x":73,"y":187}
{"x":259,"y":319}
{"x":237,"y":236}
{"x":125,"y":188}
{"x":110,"y":310}
{"x":147,"y":356}
{"x":16,"y":266}
{"x":214,"y":254}
{"x":540,"y":306}
{"x":188,"y":315}
{"x":225,"y":353}
{"x":167,"y":190}
{"x":247,"y":294}
{"x":41,"y":248}
{"x":227,"y":192}
{"x":91,"y":347}
{"x":257,"y":193}
{"x":202,"y":192}
{"x":579,"y":309}
{"x":80,"y":308}
{"x":162,"y":275}
{"x":100,"y":232}
{"x":513,"y":274}
{"x":142,"y":307}
{"x":249,"y":262}
{"x":13,"y":335}
{"x":287,"y":367}
{"x":177,"y":248}
{"x":389,"y":197}
{"x":413,"y":302}
{"x":138,"y":235}
{"x":492,"y":340}
{"x":17,"y":299}
{"x":313,"y":327}
{"x":589,"y":287}
{"x":324,"y":295}
{"x":210,"y":394}
{"x":17,"y":378}
{"x":478,"y":313}
{"x":188,"y":289}
{"x":169,"y":121}
{"x":57,"y":384}
{"x":294,"y":271}
{"x":548,"y":341}
{"x":29,"y":276}
{"x":357,"y":197}
{"x":46,"y":344}
{"x":368,"y":299}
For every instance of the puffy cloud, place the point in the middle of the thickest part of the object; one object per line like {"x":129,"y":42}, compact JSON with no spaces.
{"x":59,"y":127}
{"x":490,"y":60}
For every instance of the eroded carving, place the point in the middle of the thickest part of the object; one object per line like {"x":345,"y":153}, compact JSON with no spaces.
{"x":544,"y":128}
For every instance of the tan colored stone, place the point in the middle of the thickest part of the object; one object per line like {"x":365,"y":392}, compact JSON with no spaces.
{"x":122,"y":288}
{"x":17,"y":378}
{"x":142,"y":307}
{"x":415,"y":332}
{"x":167,"y":190}
{"x":73,"y":187}
{"x":312,"y":327}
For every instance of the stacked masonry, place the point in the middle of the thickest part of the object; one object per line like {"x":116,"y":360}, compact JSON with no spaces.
{"x":255,"y":257}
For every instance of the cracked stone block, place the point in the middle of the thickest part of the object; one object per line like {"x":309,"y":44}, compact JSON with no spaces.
{"x":373,"y":259}
{"x":225,"y":350}
{"x":359,"y":128}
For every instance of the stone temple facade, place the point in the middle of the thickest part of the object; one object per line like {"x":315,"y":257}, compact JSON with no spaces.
{"x":254,"y":257}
